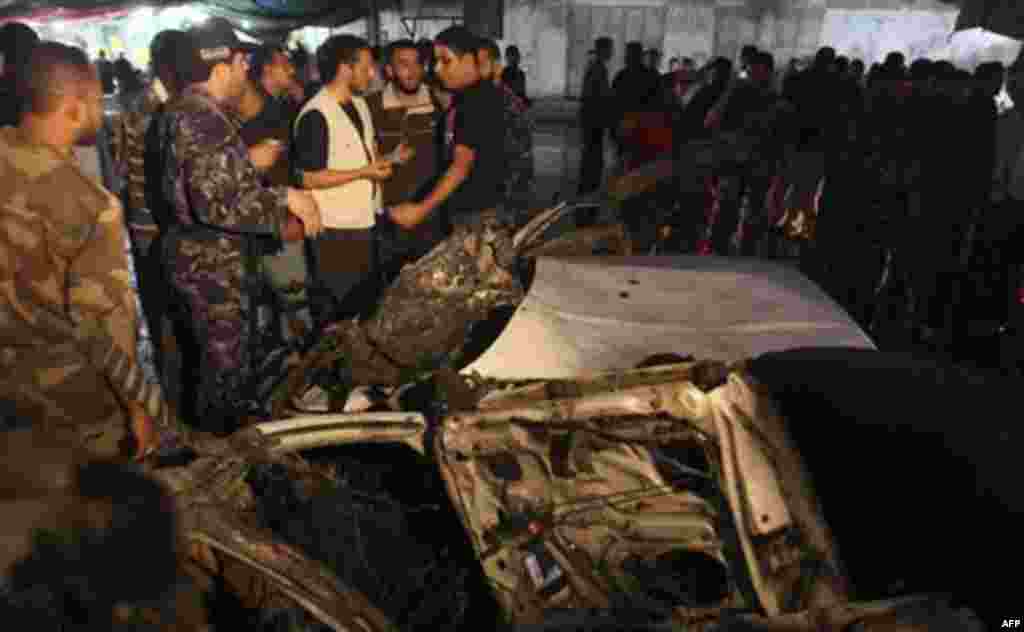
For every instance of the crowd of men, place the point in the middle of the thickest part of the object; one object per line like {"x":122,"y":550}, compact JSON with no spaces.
{"x":238,"y":172}
{"x":894,"y":175}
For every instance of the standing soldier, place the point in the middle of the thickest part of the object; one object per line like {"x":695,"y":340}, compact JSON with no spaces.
{"x":145,"y":208}
{"x":67,"y":311}
{"x":219,"y":206}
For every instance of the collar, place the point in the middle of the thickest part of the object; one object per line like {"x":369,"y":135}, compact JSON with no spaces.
{"x":158,"y":91}
{"x":201,"y":94}
{"x":390,"y":99}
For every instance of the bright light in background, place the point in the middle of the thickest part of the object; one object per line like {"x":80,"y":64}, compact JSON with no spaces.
{"x":246,"y":24}
{"x":188,"y":13}
{"x":143,"y":13}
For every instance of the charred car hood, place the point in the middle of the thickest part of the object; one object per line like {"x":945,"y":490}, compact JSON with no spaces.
{"x":587,"y":314}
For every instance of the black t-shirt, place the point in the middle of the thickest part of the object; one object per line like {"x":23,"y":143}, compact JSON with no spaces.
{"x":311,"y":138}
{"x":274,"y":121}
{"x":480,"y":126}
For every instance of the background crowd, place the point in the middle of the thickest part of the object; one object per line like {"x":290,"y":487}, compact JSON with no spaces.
{"x":886,"y":183}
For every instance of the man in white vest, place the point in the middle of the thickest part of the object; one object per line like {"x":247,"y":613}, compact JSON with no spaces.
{"x":336,"y":158}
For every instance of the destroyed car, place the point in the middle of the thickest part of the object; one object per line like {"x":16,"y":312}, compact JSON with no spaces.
{"x":675,"y":494}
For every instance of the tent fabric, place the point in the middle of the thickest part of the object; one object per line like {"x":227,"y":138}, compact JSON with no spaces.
{"x":263,"y":15}
{"x":1005,"y":17}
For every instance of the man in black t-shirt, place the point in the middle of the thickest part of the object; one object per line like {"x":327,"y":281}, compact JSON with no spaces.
{"x":474,"y":179}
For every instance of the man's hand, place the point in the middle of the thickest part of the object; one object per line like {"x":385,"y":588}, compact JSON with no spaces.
{"x":302,"y":205}
{"x":405,"y":153}
{"x":144,"y":431}
{"x":265,"y":153}
{"x":379,"y":170}
{"x":408,"y":215}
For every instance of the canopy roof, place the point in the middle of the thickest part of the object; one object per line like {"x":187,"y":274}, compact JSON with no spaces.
{"x":1005,"y":17}
{"x":262,"y":15}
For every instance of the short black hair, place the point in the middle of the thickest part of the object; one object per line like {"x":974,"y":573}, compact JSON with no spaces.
{"x":261,"y":58}
{"x":491,"y":46}
{"x":764,"y":58}
{"x":459,"y":40}
{"x":165,"y":48}
{"x":895,"y":58}
{"x":16,"y":43}
{"x":337,"y":50}
{"x":403,"y":44}
{"x":47,"y":73}
{"x":603,"y":43}
{"x":300,"y":57}
{"x":511,"y":49}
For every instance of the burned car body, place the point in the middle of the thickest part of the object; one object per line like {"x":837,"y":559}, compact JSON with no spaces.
{"x":669,"y":494}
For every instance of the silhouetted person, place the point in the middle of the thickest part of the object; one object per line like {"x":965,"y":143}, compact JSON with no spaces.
{"x":513,"y":76}
{"x":636,"y":85}
{"x":106,"y":70}
{"x":595,"y":116}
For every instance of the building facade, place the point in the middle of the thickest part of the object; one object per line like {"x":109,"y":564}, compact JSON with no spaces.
{"x":554,"y":36}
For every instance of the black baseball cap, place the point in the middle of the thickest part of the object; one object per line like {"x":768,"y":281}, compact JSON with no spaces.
{"x":215,"y":42}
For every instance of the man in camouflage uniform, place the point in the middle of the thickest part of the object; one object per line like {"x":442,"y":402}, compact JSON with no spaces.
{"x":145,"y":208}
{"x":519,"y":129}
{"x":219,"y":205}
{"x":67,"y":312}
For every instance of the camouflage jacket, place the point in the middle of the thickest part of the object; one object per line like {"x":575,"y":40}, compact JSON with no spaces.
{"x":129,"y":133}
{"x":67,"y":305}
{"x":217,"y":194}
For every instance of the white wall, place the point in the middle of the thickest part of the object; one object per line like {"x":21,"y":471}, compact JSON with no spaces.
{"x":539,"y":29}
{"x":872,"y":34}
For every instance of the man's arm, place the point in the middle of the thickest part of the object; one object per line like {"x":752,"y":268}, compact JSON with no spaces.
{"x":411,"y":215}
{"x":101,"y":305}
{"x":87,"y":300}
{"x":223,"y":186}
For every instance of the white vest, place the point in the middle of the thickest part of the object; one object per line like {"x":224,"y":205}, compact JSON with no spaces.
{"x":351,"y":205}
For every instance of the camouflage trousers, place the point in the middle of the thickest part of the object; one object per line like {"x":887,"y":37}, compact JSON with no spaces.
{"x":208,"y":277}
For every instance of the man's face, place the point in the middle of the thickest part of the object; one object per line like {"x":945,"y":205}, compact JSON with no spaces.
{"x":455,"y":72}
{"x":407,"y":70}
{"x":485,"y":64}
{"x":362,"y":72}
{"x":280,"y":74}
{"x":89,"y":111}
{"x":237,"y":76}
